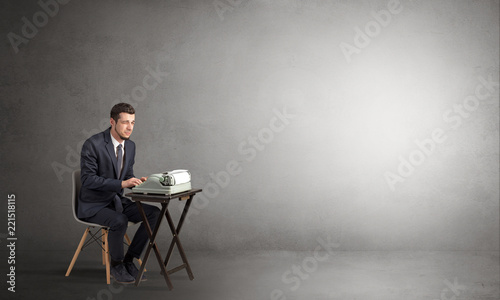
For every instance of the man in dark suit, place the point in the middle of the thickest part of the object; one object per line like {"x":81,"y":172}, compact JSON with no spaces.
{"x":107,"y":161}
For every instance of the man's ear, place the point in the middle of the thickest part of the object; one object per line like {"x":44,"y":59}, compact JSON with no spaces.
{"x":112,"y":122}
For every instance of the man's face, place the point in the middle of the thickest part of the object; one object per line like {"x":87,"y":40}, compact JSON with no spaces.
{"x":124,"y":126}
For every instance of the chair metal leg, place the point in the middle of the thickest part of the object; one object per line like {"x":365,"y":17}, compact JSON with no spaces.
{"x":78,"y":250}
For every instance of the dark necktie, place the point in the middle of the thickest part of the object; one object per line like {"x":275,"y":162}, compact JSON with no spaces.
{"x":119,"y":156}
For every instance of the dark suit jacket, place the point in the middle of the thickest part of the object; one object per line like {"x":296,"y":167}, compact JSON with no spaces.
{"x":99,"y":173}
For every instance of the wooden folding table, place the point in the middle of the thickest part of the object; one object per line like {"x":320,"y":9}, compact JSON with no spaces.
{"x":164,"y":200}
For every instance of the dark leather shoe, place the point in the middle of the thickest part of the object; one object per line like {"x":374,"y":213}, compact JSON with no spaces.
{"x":121,"y":275}
{"x":133,"y":271}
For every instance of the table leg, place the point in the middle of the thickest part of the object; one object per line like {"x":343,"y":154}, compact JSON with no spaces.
{"x":152,"y":244}
{"x":176,"y":241}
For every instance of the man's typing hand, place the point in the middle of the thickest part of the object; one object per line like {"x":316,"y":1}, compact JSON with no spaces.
{"x":129,"y":183}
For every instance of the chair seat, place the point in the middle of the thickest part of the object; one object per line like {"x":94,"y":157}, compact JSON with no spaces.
{"x":97,"y":225}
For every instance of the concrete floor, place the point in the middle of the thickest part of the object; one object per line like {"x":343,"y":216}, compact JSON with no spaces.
{"x":271,"y":275}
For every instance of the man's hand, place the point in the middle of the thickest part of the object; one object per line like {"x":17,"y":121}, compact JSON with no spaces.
{"x":131,"y":182}
{"x":144,"y":179}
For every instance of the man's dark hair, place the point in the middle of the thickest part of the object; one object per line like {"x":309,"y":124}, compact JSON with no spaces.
{"x":119,"y":108}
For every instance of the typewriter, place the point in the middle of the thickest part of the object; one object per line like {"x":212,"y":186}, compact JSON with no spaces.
{"x":166,"y":183}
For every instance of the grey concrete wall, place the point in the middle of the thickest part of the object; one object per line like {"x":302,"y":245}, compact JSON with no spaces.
{"x":371,"y":124}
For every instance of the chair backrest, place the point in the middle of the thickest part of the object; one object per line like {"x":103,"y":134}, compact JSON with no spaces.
{"x":77,"y":184}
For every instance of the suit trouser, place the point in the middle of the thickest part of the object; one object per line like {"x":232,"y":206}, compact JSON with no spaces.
{"x":118,"y":223}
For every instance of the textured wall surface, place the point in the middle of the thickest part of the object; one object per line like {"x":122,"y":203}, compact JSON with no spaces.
{"x":373,"y":124}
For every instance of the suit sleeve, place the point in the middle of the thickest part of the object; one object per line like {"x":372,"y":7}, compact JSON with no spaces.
{"x":130,"y":150}
{"x":89,"y":165}
{"x":130,"y":170}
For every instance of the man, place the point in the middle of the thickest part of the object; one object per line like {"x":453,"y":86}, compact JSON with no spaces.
{"x":107,"y":161}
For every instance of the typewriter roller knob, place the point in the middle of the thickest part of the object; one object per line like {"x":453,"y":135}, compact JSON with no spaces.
{"x":162,"y":179}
